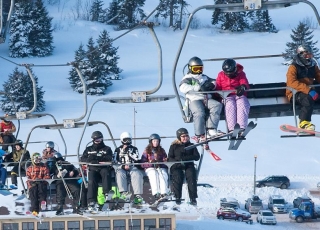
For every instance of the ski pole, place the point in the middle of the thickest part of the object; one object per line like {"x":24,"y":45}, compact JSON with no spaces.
{"x":64,"y":183}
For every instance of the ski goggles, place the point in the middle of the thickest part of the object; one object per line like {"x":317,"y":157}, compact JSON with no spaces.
{"x":98,"y":140}
{"x":306,"y":54}
{"x":127,"y":140}
{"x":37,"y":159}
{"x":196,"y":68}
{"x":184,"y":136}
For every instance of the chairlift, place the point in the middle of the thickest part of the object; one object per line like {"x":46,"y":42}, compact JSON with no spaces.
{"x":5,"y":11}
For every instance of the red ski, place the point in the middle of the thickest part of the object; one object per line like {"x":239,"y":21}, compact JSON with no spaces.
{"x":207,"y":148}
{"x":293,"y":129}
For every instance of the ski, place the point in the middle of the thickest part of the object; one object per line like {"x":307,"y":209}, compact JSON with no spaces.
{"x":298,"y":131}
{"x":157,"y":202}
{"x":107,"y":201}
{"x":234,"y":135}
{"x":217,"y":138}
{"x":207,"y":148}
{"x":242,"y":137}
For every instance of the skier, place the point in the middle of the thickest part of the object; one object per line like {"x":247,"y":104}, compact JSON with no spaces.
{"x":97,"y":152}
{"x":3,"y":171}
{"x":49,"y":151}
{"x":7,"y":128}
{"x":179,"y":171}
{"x":205,"y":110}
{"x":126,"y":155}
{"x":300,"y":75}
{"x":36,"y":185}
{"x":236,"y":103}
{"x":67,"y":171}
{"x":157,"y":173}
{"x":15,"y":157}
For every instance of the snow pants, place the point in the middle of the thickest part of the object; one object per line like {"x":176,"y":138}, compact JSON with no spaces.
{"x":203,"y":119}
{"x":8,"y":139}
{"x":158,"y":179}
{"x":37,"y":193}
{"x":237,"y":111}
{"x":74,"y":188}
{"x":94,"y":177}
{"x":15,"y":172}
{"x":3,"y":175}
{"x":178,"y":175}
{"x":136,"y":180}
{"x":307,"y":104}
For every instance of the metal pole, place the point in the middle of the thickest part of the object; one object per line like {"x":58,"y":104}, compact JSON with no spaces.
{"x":134,"y":125}
{"x":254,"y":176}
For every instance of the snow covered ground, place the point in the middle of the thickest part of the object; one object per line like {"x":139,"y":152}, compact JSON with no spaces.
{"x":298,"y":158}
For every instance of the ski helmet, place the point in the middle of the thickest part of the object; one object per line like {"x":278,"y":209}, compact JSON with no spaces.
{"x":50,"y":145}
{"x":195,"y":65}
{"x":305,"y":54}
{"x":154,"y":136}
{"x":126,"y":138}
{"x":181,"y":131}
{"x":36,"y":158}
{"x":96,"y":135}
{"x":19,"y":142}
{"x":229,"y":67}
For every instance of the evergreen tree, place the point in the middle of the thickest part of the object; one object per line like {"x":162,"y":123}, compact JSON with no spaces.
{"x":74,"y":79}
{"x":112,"y":12}
{"x":301,"y":35}
{"x":172,"y":9}
{"x":262,"y":22}
{"x":96,"y":10}
{"x":19,"y":89}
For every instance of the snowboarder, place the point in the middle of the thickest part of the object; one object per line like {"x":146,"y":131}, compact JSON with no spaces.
{"x":300,"y":75}
{"x":236,"y":103}
{"x":7,"y":128}
{"x":126,"y":155}
{"x":93,"y":154}
{"x":157,"y":173}
{"x":3,"y":171}
{"x":49,"y":151}
{"x":179,"y":171}
{"x":205,"y":110}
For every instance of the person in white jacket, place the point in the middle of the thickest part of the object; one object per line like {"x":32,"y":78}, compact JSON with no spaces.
{"x":205,"y":110}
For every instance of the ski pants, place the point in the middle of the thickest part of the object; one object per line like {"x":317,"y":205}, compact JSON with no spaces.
{"x":94,"y":176}
{"x":205,"y":116}
{"x":307,"y":104}
{"x":178,"y":175}
{"x":237,"y":111}
{"x":15,"y":172}
{"x":136,"y":180}
{"x":37,"y":193}
{"x":8,"y":139}
{"x":62,"y":193}
{"x":158,"y":179}
{"x":3,"y":175}
{"x":83,"y":200}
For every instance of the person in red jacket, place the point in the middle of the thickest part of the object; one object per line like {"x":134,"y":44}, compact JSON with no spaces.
{"x":7,"y":128}
{"x":237,"y":106}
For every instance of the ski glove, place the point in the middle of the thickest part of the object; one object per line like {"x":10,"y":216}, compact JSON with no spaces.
{"x":207,"y":86}
{"x":314,"y":95}
{"x":240,"y":90}
{"x":196,"y":87}
{"x":62,"y":173}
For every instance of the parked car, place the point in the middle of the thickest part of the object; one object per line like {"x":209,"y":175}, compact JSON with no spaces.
{"x":229,"y":202}
{"x":253,"y":204}
{"x":296,"y":202}
{"x":266,"y":217}
{"x":204,"y":185}
{"x":233,"y":213}
{"x":282,"y":182}
{"x":277,"y":203}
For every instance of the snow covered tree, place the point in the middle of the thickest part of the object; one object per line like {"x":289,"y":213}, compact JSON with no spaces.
{"x":262,"y":22}
{"x":19,"y":90}
{"x":300,"y":35}
{"x":74,"y":79}
{"x":96,"y":10}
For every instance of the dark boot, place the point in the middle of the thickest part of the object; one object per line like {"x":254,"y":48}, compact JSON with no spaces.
{"x":14,"y":179}
{"x":178,"y":201}
{"x":193,"y":202}
{"x":59,"y":210}
{"x":77,"y":210}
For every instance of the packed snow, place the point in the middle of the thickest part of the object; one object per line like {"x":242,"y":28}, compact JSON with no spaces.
{"x":233,"y":176}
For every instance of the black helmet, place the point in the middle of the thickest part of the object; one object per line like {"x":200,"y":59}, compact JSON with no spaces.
{"x":229,"y":67}
{"x":305,"y":54}
{"x":96,"y":135}
{"x":154,"y":136}
{"x":19,"y":142}
{"x":50,"y":144}
{"x":181,"y":131}
{"x":195,"y":62}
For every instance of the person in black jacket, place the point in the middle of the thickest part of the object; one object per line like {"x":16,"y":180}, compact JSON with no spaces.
{"x":59,"y":168}
{"x":181,"y":170}
{"x":97,"y":152}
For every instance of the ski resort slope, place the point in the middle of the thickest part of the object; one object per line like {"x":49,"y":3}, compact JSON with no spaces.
{"x":298,"y":158}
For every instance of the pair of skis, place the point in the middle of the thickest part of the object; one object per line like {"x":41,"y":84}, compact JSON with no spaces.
{"x":298,"y":131}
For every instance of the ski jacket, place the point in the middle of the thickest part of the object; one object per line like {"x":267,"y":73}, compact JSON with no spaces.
{"x":178,"y":153}
{"x":65,"y":165}
{"x":37,"y":171}
{"x":300,"y":77}
{"x":17,"y":154}
{"x":50,"y":154}
{"x":97,"y":153}
{"x":226,"y":83}
{"x":2,"y":153}
{"x":7,"y":127}
{"x":128,"y":155}
{"x":151,"y":155}
{"x":191,"y":83}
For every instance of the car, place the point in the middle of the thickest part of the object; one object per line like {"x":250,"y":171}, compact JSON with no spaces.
{"x":204,"y":185}
{"x":233,"y":213}
{"x":282,"y":182}
{"x":253,"y":204}
{"x":297,"y":201}
{"x":277,"y":203}
{"x":266,"y":217}
{"x":229,"y":202}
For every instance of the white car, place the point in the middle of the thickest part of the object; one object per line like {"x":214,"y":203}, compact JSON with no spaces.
{"x":266,"y":217}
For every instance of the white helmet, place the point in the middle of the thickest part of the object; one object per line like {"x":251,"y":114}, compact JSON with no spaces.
{"x":126,"y":138}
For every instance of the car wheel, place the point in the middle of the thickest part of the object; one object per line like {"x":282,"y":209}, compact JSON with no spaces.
{"x":257,"y":220}
{"x":283,"y":186}
{"x":274,"y":224}
{"x":262,"y":185}
{"x":220,"y":218}
{"x":240,"y":219}
{"x":299,"y":219}
{"x":261,"y":222}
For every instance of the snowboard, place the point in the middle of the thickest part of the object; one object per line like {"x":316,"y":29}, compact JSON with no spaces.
{"x":303,"y":132}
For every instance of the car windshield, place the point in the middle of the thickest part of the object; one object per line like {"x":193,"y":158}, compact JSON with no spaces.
{"x":278,"y":201}
{"x":267,"y":214}
{"x":256,"y":203}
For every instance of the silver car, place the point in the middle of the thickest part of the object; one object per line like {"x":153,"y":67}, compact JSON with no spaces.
{"x":253,"y":204}
{"x":277,"y":204}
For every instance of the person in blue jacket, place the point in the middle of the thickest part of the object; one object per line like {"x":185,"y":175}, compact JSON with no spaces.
{"x":3,"y":170}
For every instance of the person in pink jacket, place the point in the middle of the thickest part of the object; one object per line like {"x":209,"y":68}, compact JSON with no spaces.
{"x":237,"y":106}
